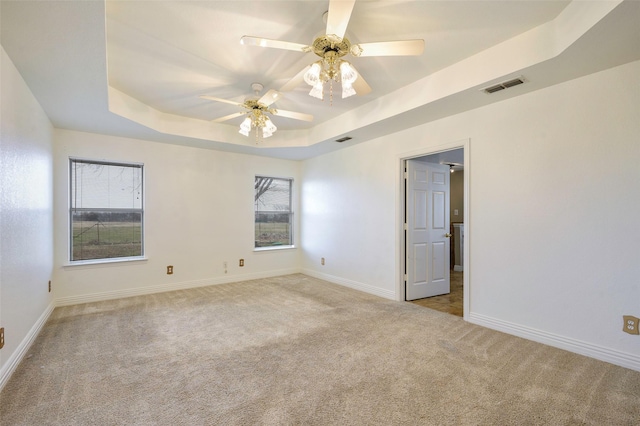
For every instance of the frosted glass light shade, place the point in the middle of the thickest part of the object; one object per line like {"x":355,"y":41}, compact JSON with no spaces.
{"x":245,"y":127}
{"x":317,"y":91}
{"x":347,"y":73}
{"x":312,"y":76}
{"x":269,"y":125}
{"x":268,"y":129}
{"x":347,"y":90}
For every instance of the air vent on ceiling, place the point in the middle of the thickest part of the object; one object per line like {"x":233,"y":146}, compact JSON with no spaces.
{"x":346,"y":138}
{"x":504,"y":85}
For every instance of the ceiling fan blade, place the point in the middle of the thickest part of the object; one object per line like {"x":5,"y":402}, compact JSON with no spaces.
{"x":360,"y":86}
{"x":295,"y":81}
{"x":270,"y":97}
{"x":294,"y":115}
{"x":228,"y":117}
{"x":390,"y":48}
{"x":213,"y":98}
{"x":338,"y":17}
{"x":277,"y":44}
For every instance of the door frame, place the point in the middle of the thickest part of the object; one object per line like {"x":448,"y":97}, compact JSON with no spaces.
{"x":401,"y":212}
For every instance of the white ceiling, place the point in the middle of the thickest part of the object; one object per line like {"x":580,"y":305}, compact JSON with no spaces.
{"x":137,"y":68}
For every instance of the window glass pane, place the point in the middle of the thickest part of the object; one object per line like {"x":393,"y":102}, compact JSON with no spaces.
{"x":106,"y":210}
{"x":273,"y":229}
{"x":95,"y":185}
{"x":273,"y":215}
{"x":102,"y":235}
{"x":272,"y":194}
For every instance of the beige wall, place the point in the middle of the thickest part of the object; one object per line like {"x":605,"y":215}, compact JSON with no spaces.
{"x":457,"y":196}
{"x":457,"y":203}
{"x":26,"y":225}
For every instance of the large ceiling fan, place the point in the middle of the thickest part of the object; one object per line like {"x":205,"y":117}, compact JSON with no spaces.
{"x":256,"y":109}
{"x":331,"y":48}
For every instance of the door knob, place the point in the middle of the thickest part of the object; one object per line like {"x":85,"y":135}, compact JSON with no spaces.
{"x":447,"y":235}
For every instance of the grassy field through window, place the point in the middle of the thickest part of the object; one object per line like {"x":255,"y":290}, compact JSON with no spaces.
{"x":272,"y":234}
{"x":103,"y":240}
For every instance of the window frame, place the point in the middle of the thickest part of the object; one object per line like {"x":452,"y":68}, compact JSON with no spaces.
{"x":290,"y":212}
{"x":72,"y":210}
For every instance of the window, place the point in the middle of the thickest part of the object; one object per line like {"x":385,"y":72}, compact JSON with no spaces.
{"x":106,"y":213}
{"x":274,"y":216}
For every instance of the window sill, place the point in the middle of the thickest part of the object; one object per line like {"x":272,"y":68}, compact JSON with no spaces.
{"x":272,"y":248}
{"x":104,"y":261}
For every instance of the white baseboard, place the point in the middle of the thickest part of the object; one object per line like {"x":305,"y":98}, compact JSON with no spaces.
{"x":161,"y":288}
{"x":387,"y":294}
{"x":623,"y":359}
{"x":16,"y":357}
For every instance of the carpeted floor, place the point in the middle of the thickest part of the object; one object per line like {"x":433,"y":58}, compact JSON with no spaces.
{"x":296,"y":350}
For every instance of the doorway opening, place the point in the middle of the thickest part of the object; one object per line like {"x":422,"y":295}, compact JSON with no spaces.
{"x":450,"y":303}
{"x":456,"y":297}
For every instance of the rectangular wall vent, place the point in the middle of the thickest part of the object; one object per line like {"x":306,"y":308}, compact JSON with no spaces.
{"x":495,"y":88}
{"x":504,"y":85}
{"x":346,"y":138}
{"x":513,"y":82}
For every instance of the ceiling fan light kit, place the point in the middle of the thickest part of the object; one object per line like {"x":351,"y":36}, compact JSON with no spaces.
{"x":331,"y":47}
{"x":261,"y":122}
{"x":257,"y":113}
{"x":331,"y":68}
{"x":328,"y":70}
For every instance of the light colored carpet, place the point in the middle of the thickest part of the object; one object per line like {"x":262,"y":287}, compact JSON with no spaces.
{"x":296,"y":350}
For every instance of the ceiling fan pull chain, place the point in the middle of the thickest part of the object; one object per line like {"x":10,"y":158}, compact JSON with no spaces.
{"x":331,"y":92}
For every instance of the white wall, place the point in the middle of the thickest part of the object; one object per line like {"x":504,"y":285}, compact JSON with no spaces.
{"x":26,"y":217}
{"x":199,"y":213}
{"x":348,"y":216}
{"x":550,"y":173}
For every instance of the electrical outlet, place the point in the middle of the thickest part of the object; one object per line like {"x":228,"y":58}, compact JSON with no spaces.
{"x":49,"y":286}
{"x":241,"y":262}
{"x":224,"y":265}
{"x":169,"y":269}
{"x":630,"y":324}
{"x":322,"y":261}
{"x":1,"y":337}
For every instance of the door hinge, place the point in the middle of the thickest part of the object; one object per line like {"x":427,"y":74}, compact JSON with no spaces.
{"x":405,"y":227}
{"x":406,"y":174}
{"x":406,"y":277}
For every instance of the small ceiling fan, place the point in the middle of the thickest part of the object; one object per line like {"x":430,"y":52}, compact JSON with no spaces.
{"x":257,"y":110}
{"x":331,"y":48}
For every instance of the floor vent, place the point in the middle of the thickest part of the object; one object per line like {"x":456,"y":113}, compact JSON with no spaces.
{"x":504,"y":85}
{"x":346,"y":138}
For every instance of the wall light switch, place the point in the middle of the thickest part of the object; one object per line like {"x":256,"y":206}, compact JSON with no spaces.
{"x":455,"y":212}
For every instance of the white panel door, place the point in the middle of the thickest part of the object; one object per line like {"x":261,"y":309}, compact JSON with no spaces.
{"x":427,"y":240}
